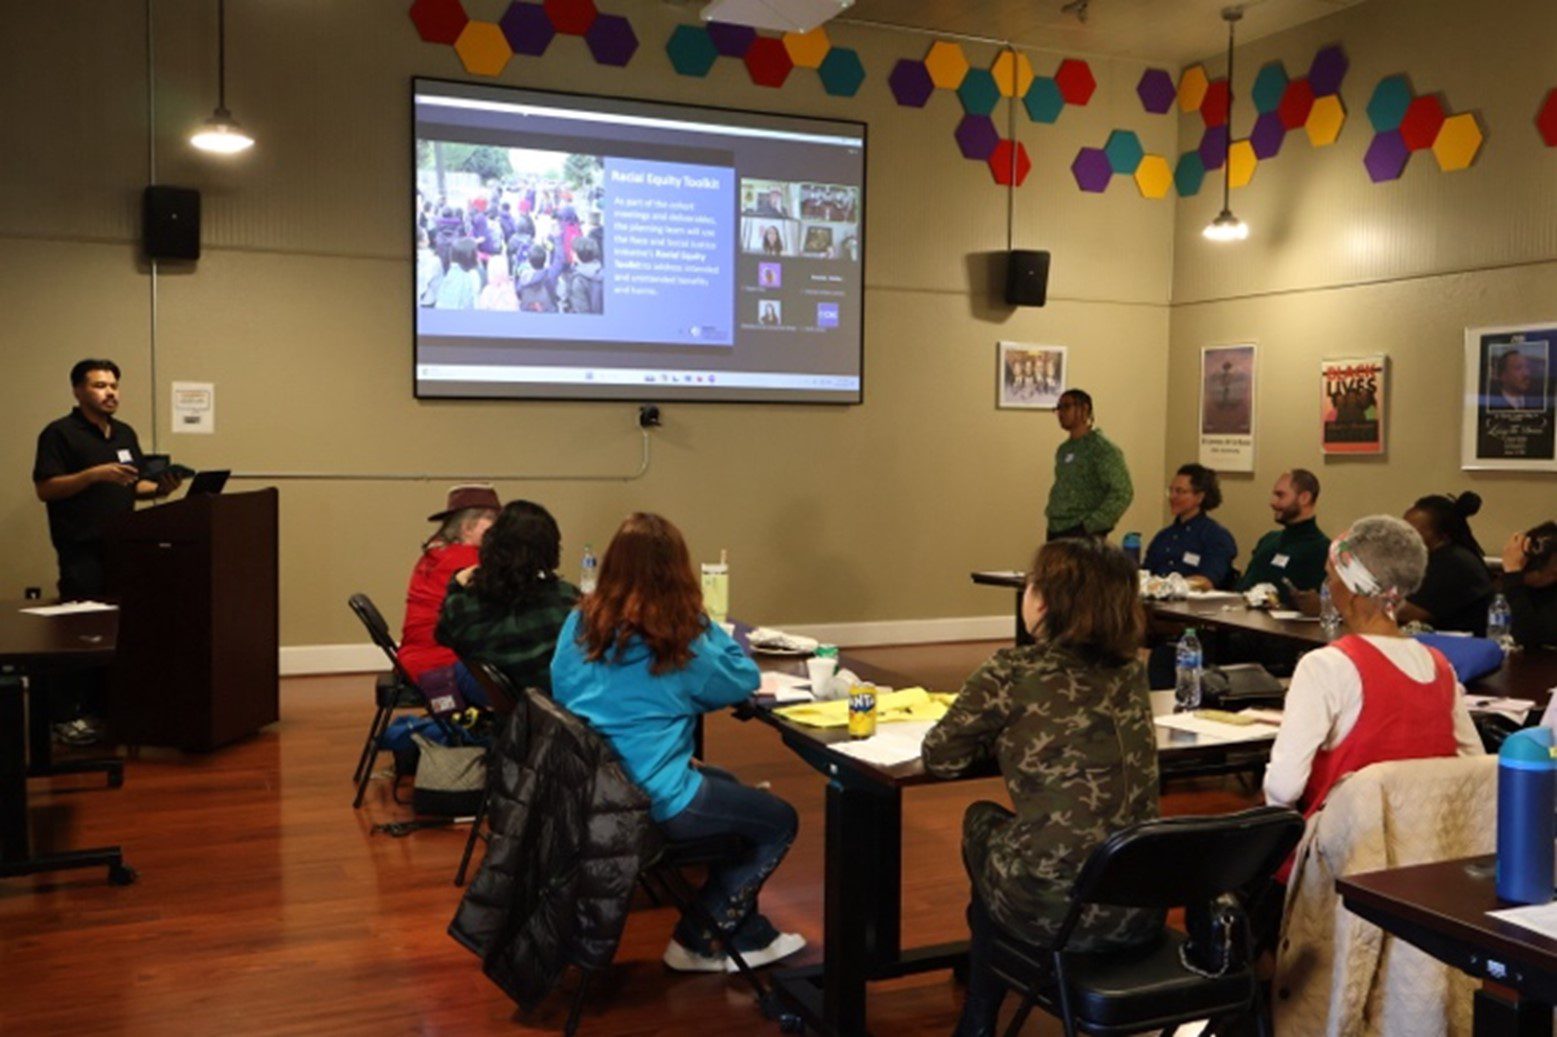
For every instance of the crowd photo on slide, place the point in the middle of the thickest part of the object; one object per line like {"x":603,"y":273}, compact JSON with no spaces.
{"x":509,"y":229}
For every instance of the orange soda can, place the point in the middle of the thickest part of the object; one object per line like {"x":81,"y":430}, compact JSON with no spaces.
{"x":862,"y":711}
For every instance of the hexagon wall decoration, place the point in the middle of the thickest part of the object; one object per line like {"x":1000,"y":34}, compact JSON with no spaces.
{"x":1156,"y":91}
{"x":1189,"y":174}
{"x":1546,"y":120}
{"x":808,"y":49}
{"x":483,"y":49}
{"x":976,"y":137}
{"x":911,"y":84}
{"x":947,"y":64}
{"x":1009,"y":164}
{"x":1092,"y":170}
{"x":527,"y":27}
{"x":1043,"y":100}
{"x":1325,"y":120}
{"x":841,"y":72}
{"x":1241,"y":163}
{"x":1405,"y":123}
{"x":1192,"y":88}
{"x":769,"y":60}
{"x":1013,"y":73}
{"x":1153,"y":178}
{"x":1459,"y":141}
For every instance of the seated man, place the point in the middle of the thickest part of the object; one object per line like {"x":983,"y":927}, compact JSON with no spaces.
{"x":1195,"y":546}
{"x":1295,"y":553}
{"x":1530,"y":584}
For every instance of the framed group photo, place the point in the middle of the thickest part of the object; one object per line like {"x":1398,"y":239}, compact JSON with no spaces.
{"x":1507,"y":413}
{"x":1029,"y":377}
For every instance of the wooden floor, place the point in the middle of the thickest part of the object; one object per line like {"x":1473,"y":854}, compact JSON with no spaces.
{"x":266,"y":905}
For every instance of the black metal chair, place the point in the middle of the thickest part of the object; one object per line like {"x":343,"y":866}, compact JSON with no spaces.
{"x":1166,"y":863}
{"x":503,"y":698}
{"x":392,"y":691}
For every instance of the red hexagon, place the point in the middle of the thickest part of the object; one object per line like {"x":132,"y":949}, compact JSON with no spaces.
{"x":768,"y":61}
{"x":1546,"y":120}
{"x":1424,"y":118}
{"x":571,"y":17}
{"x":1003,"y":164}
{"x":1074,"y":78}
{"x":439,"y":21}
{"x":1296,"y":104}
{"x":1213,"y":108}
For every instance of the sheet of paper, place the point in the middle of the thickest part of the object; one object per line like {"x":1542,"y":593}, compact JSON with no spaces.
{"x":194,"y":407}
{"x":785,"y":688}
{"x":1215,"y":729}
{"x":1515,"y":709}
{"x":1215,"y":596}
{"x":1264,"y":716}
{"x":1540,"y":918}
{"x":70,"y":608}
{"x":892,"y":744}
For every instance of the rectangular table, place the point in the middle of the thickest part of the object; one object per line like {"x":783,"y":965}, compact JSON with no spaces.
{"x":1442,"y":909}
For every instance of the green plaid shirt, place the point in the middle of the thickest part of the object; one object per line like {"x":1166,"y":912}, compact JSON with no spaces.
{"x":520,"y":642}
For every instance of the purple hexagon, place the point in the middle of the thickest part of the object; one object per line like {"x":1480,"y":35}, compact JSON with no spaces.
{"x":1327,"y":71}
{"x":611,"y":40}
{"x":1213,"y":147}
{"x":732,"y":41}
{"x":911,"y":83}
{"x":1156,"y":90}
{"x":977,"y":137}
{"x":1386,"y":157}
{"x":1092,"y":170}
{"x":527,"y":28}
{"x":1269,"y":131}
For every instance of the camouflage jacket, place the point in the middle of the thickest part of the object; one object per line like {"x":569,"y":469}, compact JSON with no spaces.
{"x":1075,"y":743}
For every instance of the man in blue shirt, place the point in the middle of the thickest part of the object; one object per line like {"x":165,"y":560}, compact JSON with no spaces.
{"x":1194,"y":545}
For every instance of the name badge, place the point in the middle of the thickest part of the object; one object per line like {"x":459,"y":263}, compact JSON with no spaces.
{"x":1191,"y":558}
{"x":1280,"y":561}
{"x":1069,"y":458}
{"x":125,"y":457}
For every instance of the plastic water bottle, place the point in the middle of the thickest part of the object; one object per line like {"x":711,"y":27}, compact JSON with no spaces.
{"x":1500,"y":622}
{"x":1186,"y":687}
{"x":586,"y":573}
{"x":1329,"y":615}
{"x":1131,"y":545}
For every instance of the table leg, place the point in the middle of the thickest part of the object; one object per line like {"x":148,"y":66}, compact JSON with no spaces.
{"x":40,"y":742}
{"x":1503,"y":1013}
{"x":13,"y":773}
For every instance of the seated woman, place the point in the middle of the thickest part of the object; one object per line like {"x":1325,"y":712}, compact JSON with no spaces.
{"x":1530,"y":584}
{"x":463,"y":521}
{"x":640,"y":662}
{"x":1069,"y":721}
{"x":509,"y":609}
{"x":1375,"y":694}
{"x":1196,"y":545}
{"x":1457,"y":587}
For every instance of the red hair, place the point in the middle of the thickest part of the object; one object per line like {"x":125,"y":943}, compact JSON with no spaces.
{"x":647,"y":590}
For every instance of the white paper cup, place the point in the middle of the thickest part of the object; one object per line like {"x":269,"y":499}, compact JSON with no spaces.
{"x":821,"y":670}
{"x":728,"y":628}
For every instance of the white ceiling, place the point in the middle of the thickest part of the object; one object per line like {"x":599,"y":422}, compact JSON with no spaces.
{"x":1177,"y":32}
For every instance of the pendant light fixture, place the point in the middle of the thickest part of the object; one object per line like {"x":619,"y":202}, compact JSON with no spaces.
{"x":1226,"y":226}
{"x":221,"y":134}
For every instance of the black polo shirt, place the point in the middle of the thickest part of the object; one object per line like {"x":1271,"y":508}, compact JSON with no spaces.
{"x":73,"y":444}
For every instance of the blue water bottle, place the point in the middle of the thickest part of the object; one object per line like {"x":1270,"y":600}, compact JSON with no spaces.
{"x":1527,"y":794}
{"x":1132,"y":547}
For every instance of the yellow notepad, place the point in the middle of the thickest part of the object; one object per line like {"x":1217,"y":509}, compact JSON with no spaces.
{"x":906,"y":704}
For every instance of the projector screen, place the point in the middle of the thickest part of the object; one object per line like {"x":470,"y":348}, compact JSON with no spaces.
{"x":575,"y":247}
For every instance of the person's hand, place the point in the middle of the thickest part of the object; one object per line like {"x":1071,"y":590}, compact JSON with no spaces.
{"x":1515,"y":551}
{"x":116,"y":473}
{"x":465,"y":575}
{"x":1306,"y":602}
{"x":167,"y":482}
{"x":1199,"y":583}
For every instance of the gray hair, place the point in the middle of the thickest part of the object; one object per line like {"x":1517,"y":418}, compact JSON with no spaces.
{"x":453,"y":529}
{"x":1391,"y":550}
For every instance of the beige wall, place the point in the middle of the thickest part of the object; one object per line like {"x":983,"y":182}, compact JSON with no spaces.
{"x":297,"y":312}
{"x":1338,"y":266}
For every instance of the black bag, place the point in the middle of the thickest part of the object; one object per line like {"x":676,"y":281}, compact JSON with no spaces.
{"x":1218,"y":934}
{"x":450,"y":779}
{"x":1240,"y":686}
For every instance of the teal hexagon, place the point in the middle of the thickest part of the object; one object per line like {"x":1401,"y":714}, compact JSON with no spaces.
{"x":692,"y":51}
{"x":979,"y":93}
{"x":1269,"y":85}
{"x":1387,"y":107}
{"x":842,"y":72}
{"x":1124,"y":152}
{"x":1189,"y":174}
{"x":1043,"y":100}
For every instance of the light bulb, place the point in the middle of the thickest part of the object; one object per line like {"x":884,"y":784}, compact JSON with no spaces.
{"x":1226,"y":227}
{"x":221,"y":135}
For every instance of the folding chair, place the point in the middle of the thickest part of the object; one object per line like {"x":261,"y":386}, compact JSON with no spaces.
{"x":503,"y":698}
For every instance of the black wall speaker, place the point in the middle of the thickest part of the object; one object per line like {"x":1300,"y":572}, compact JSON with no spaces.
{"x":1027,"y":277}
{"x":170,"y":222}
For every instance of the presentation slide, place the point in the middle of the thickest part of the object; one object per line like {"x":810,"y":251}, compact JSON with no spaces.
{"x":575,"y":247}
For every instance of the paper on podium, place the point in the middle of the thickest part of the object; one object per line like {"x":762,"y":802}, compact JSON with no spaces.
{"x":892,"y":744}
{"x":71,"y":608}
{"x":1540,"y":918}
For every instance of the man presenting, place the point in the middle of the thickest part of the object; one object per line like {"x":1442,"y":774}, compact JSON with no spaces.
{"x":1295,"y":553}
{"x":1091,"y":484}
{"x":87,"y":472}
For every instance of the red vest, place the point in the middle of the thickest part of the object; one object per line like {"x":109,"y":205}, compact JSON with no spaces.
{"x":1401,"y":719}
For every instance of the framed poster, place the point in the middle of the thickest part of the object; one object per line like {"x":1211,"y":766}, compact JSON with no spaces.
{"x":1507,"y":419}
{"x":1227,"y":408}
{"x":1029,"y":377}
{"x":1351,"y":405}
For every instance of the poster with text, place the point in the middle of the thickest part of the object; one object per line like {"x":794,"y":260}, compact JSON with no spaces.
{"x":1507,"y":418}
{"x":1227,"y":408}
{"x":1351,"y":405}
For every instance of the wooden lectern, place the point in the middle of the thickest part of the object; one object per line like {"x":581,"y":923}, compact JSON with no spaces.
{"x":196,"y":665}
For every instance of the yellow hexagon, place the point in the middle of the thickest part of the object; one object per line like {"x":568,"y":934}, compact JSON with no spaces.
{"x":1013,"y":73}
{"x":1154,"y":176}
{"x":1192,"y":88}
{"x":483,"y":49}
{"x":946,"y":64}
{"x":1458,"y":142}
{"x":807,"y":49}
{"x":1325,"y":119}
{"x":1241,"y":161}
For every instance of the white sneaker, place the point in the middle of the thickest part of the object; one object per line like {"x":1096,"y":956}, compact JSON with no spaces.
{"x":682,"y":958}
{"x":783,"y":945}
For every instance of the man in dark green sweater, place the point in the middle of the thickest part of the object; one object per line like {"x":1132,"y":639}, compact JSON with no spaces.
{"x":1091,"y":484}
{"x":1296,"y":552}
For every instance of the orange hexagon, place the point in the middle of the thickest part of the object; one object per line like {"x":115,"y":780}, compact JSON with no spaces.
{"x":1154,"y":176}
{"x":947,"y":64}
{"x":1325,"y":119}
{"x":483,"y":49}
{"x":807,"y":49}
{"x":1241,"y":162}
{"x":1192,"y":88}
{"x":1013,"y":73}
{"x":1458,"y":142}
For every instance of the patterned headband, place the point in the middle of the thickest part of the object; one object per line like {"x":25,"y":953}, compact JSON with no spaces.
{"x":1357,"y":577}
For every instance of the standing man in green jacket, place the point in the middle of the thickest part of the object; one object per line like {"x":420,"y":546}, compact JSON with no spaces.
{"x":1091,"y":484}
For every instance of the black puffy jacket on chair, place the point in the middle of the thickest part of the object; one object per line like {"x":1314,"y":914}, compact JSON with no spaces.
{"x":570,"y":831}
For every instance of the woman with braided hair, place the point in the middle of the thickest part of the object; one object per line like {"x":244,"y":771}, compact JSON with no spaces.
{"x":1457,"y":587}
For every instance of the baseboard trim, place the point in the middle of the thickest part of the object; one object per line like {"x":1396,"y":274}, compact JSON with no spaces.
{"x":309,"y":660}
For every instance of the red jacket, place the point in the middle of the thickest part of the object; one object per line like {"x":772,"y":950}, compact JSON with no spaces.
{"x":424,"y":600}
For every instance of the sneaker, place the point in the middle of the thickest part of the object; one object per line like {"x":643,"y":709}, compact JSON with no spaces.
{"x":781,"y":946}
{"x":682,"y":958}
{"x":78,"y":732}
